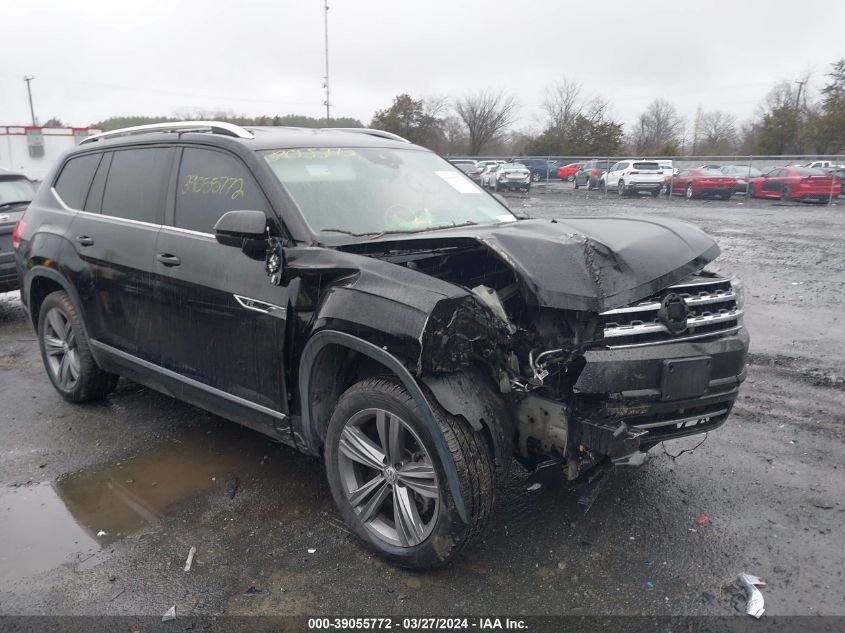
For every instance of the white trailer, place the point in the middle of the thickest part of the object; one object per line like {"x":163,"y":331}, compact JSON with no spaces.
{"x":33,"y":150}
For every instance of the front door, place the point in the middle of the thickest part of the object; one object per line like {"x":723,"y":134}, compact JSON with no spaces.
{"x":223,"y":322}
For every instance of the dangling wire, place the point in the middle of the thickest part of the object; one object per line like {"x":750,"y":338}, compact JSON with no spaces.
{"x":686,"y":450}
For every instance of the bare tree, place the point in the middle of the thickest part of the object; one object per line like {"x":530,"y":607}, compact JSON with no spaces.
{"x":717,"y":133}
{"x":485,"y":114}
{"x":562,"y":103}
{"x":657,"y":130}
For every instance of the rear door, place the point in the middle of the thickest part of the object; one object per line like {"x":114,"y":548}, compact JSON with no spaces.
{"x":223,"y":322}
{"x":122,"y":208}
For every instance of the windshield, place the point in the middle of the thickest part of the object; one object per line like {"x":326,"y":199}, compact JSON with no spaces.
{"x":369,"y":191}
{"x":15,"y":190}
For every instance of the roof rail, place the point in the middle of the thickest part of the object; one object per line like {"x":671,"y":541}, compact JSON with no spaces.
{"x":215,"y":127}
{"x":371,"y":132}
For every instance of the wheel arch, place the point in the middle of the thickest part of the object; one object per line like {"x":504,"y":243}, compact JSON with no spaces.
{"x":318,"y":392}
{"x":39,"y":282}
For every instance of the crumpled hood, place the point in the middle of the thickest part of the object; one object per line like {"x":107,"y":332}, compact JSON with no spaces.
{"x":592,"y":264}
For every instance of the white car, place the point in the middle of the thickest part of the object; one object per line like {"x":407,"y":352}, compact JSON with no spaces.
{"x":511,"y":176}
{"x":488,"y":174}
{"x":633,"y":175}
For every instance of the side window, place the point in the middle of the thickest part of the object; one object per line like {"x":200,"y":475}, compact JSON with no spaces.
{"x":75,"y":180}
{"x":94,"y":202}
{"x":614,"y":167}
{"x":137,"y":183}
{"x":210,"y":184}
{"x":684,"y":173}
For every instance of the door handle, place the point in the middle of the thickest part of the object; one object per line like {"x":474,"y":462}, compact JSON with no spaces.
{"x":84,"y":240}
{"x":168,"y":260}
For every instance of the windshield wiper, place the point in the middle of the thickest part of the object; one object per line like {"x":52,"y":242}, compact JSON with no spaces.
{"x":345,"y":232}
{"x":13,"y":203}
{"x":429,"y":228}
{"x":376,"y":234}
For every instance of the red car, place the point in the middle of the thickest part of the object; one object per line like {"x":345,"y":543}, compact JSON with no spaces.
{"x":567,"y":172}
{"x":702,"y":183}
{"x":795,"y":183}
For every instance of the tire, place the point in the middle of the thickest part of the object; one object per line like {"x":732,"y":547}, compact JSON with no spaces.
{"x":655,"y":193}
{"x":577,"y":186}
{"x":603,"y":186}
{"x":439,"y":534}
{"x":66,"y":353}
{"x":749,"y":191}
{"x":620,"y":188}
{"x":496,"y":187}
{"x":535,"y":177}
{"x":784,"y":194}
{"x":570,"y":178}
{"x":589,"y":184}
{"x":527,"y":187}
{"x":690,"y":192}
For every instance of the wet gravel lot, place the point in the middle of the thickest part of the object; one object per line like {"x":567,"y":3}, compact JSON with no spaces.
{"x":100,"y":504}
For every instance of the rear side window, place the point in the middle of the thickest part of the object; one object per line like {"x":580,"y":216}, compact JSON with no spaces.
{"x":137,"y":184}
{"x":646,"y":166}
{"x":210,"y":184}
{"x":75,"y":180}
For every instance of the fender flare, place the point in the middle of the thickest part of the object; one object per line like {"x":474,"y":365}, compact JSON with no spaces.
{"x":53,"y":275}
{"x":332,"y":337}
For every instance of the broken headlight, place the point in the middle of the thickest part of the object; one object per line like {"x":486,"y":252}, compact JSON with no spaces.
{"x":739,"y":290}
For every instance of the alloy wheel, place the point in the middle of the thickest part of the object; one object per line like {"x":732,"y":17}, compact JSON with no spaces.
{"x":690,"y":192}
{"x":60,"y":349}
{"x":388,"y":477}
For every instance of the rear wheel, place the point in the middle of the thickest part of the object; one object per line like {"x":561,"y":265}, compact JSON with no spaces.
{"x":690,"y":192}
{"x":66,"y":353}
{"x":620,"y":188}
{"x":784,"y":193}
{"x":535,"y":176}
{"x":388,"y":480}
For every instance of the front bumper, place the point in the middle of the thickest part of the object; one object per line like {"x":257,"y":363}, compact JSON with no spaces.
{"x":622,"y":404}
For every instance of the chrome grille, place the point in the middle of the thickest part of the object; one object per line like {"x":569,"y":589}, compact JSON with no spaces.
{"x":711,"y":307}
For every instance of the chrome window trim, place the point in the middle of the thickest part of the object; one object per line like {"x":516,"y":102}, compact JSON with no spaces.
{"x":189,"y":381}
{"x":170,"y":227}
{"x":115,"y":218}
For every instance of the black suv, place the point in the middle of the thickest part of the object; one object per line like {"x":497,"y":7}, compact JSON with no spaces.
{"x":16,"y":192}
{"x":358,"y":297}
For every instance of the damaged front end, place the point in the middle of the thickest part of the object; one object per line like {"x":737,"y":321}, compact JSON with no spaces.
{"x":581,"y":341}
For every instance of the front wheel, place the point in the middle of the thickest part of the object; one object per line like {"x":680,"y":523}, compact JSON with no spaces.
{"x":690,"y":192}
{"x":620,"y":188}
{"x":66,"y":353}
{"x":577,"y":186}
{"x":784,"y":193}
{"x":570,"y":177}
{"x":389,"y":482}
{"x":535,"y":176}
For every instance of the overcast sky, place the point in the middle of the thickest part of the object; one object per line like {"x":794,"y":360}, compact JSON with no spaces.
{"x":93,"y":59}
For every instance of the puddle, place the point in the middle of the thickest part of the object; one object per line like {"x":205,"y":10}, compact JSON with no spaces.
{"x":45,"y":525}
{"x":37,"y":532}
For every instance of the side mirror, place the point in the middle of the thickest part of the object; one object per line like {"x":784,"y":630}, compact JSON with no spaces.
{"x":240,"y":228}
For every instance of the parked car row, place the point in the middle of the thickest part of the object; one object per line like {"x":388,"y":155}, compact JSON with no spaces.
{"x":16,"y":192}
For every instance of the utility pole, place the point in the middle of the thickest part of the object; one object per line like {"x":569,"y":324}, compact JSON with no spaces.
{"x":27,"y":79}
{"x":801,"y":85}
{"x":326,"y":78}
